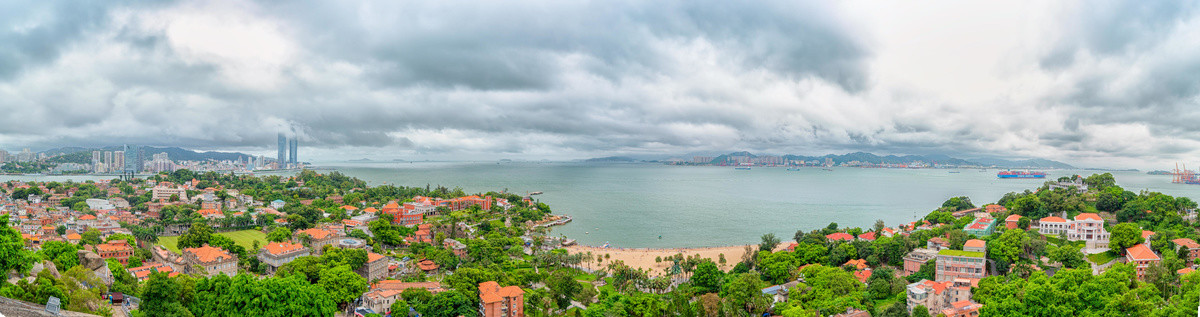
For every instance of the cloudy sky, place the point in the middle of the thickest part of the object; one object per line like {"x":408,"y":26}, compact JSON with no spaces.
{"x":1093,"y":83}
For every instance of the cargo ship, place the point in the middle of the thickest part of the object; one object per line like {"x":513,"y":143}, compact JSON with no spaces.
{"x":1020,"y":174}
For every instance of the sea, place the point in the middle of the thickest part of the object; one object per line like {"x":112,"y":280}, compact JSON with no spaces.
{"x":647,"y":205}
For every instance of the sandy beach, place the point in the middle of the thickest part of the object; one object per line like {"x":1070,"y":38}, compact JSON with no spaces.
{"x":644,"y":258}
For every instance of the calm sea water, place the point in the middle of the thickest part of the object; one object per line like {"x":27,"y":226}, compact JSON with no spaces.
{"x":631,"y":205}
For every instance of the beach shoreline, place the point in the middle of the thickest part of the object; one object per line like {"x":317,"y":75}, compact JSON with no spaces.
{"x":644,"y":258}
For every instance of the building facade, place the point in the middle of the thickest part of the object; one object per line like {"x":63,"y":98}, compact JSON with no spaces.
{"x":276,"y":254}
{"x":1088,"y":227}
{"x":117,"y":249}
{"x":937,"y":296}
{"x":496,"y":301}
{"x":913,"y":260}
{"x":212,"y":260}
{"x":1141,"y":256}
{"x":968,"y":263}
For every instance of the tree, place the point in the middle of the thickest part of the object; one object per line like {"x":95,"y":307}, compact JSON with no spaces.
{"x":563,"y":287}
{"x":399,"y":308}
{"x":198,"y":235}
{"x":91,"y":236}
{"x":279,"y":234}
{"x":1008,"y":247}
{"x":744,"y":294}
{"x":958,"y":203}
{"x":160,"y":297}
{"x":13,"y":255}
{"x":707,"y":278}
{"x":920,"y":311}
{"x":1024,"y":223}
{"x":769,"y":241}
{"x":1125,"y":235}
{"x":63,"y":254}
{"x":61,"y":230}
{"x":448,"y":304}
{"x":342,"y":284}
{"x":1069,"y":256}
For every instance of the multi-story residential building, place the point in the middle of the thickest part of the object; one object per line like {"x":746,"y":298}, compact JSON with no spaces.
{"x":968,"y":263}
{"x":1187,"y":249}
{"x":1077,"y":183}
{"x":1088,"y":227}
{"x":496,"y":301}
{"x":320,"y":238}
{"x":276,"y":254}
{"x":459,"y":248}
{"x":1142,"y":256}
{"x":410,"y":214}
{"x":913,"y":260}
{"x":116,"y":249}
{"x":385,"y":293}
{"x":376,"y":267}
{"x":936,"y":296}
{"x":211,"y":260}
{"x":163,"y":192}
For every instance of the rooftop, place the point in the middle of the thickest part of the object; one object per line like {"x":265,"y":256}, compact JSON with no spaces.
{"x":208,"y":254}
{"x":961,"y":253}
{"x":1141,"y":252}
{"x":280,"y":248}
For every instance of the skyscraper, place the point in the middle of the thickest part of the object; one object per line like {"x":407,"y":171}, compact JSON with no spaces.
{"x":108,"y":161}
{"x":118,"y":161}
{"x":134,"y":159}
{"x":282,"y":148}
{"x":292,"y":145}
{"x":96,"y":160}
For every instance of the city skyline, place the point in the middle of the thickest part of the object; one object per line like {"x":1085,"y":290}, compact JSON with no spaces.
{"x":1105,"y":84}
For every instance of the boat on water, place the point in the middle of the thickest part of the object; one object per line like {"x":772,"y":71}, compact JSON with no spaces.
{"x":954,"y":172}
{"x":793,"y":169}
{"x":828,"y":169}
{"x":742,"y":168}
{"x":1020,"y":174}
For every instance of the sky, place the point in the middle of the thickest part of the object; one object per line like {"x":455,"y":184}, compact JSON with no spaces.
{"x":1091,"y":83}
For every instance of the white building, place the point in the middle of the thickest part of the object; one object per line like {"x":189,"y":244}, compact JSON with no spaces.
{"x":1088,"y":227}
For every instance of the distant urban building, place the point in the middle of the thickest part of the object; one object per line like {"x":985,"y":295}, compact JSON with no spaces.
{"x":108,"y":161}
{"x":702,"y":159}
{"x":282,"y":149}
{"x":292,"y":146}
{"x":3,"y":156}
{"x":135,"y":159}
{"x":118,"y":161}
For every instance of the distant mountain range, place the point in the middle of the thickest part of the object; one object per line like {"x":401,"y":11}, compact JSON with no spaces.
{"x":877,"y":159}
{"x":83,"y":156}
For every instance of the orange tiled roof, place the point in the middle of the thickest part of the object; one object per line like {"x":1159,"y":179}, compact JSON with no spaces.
{"x":280,"y":248}
{"x":371,"y":210}
{"x":857,"y":264}
{"x":372,"y":257}
{"x":1184,"y":271}
{"x":1012,"y":218}
{"x":317,"y":233}
{"x":74,"y":236}
{"x":975,"y":243}
{"x":1052,"y":219}
{"x":208,"y":254}
{"x":427,"y":265}
{"x":1141,"y":252}
{"x":1088,"y":216}
{"x":349,"y":208}
{"x":1147,"y":233}
{"x":870,"y":235}
{"x":839,"y":236}
{"x":113,"y":246}
{"x":1189,"y":243}
{"x":87,"y":217}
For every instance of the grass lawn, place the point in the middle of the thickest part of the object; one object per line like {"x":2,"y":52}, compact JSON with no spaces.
{"x":585,"y":277}
{"x":244,"y":238}
{"x":1101,"y":258}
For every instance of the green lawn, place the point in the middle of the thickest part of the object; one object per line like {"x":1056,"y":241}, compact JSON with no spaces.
{"x":1101,"y":258}
{"x":244,"y":238}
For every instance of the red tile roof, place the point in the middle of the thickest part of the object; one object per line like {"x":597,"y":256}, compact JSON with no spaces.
{"x":1052,"y":219}
{"x":1189,"y":243}
{"x":1141,"y":252}
{"x":208,"y":254}
{"x":1147,"y":234}
{"x":975,"y":243}
{"x":839,"y":236}
{"x":1013,"y":218}
{"x":317,"y":233}
{"x":280,"y":248}
{"x":372,"y":257}
{"x":1184,"y":271}
{"x":869,"y":236}
{"x":1088,"y":216}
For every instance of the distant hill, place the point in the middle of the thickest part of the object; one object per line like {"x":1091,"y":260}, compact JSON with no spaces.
{"x":611,"y":159}
{"x":84,"y":155}
{"x":1030,"y":163}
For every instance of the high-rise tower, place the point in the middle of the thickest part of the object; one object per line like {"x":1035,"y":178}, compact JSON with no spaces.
{"x":292,"y":145}
{"x":282,"y":149}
